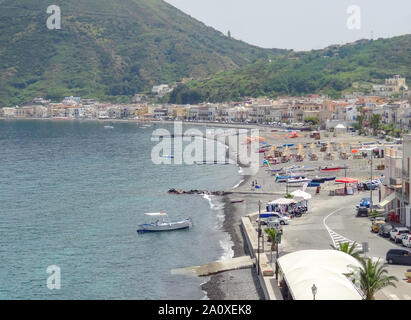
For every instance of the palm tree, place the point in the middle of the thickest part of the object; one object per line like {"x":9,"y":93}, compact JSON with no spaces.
{"x":375,"y":122}
{"x":272,"y":234}
{"x":351,"y":250}
{"x":372,"y":277}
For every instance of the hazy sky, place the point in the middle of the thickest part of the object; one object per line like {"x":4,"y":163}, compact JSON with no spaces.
{"x":300,"y":24}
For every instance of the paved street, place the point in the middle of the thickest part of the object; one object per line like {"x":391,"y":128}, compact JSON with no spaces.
{"x":335,"y":216}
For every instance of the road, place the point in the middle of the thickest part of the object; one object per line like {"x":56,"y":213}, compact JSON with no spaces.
{"x":335,"y":217}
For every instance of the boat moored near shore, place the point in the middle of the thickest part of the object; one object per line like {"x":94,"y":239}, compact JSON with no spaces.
{"x":165,"y":224}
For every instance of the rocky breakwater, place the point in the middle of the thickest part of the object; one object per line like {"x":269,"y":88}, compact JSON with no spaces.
{"x":195,"y":191}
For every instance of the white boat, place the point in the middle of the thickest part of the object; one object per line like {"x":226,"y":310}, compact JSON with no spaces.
{"x":109,"y":126}
{"x":163,"y":223}
{"x":298,"y":180}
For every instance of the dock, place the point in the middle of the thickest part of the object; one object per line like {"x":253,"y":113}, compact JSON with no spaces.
{"x":208,"y":269}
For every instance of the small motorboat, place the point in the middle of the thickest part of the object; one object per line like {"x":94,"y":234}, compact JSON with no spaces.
{"x":327,"y":169}
{"x":298,"y":180}
{"x":165,"y":224}
{"x":314,"y":184}
{"x":237,"y":200}
{"x":279,"y":178}
{"x":168,"y":156}
{"x":109,"y":126}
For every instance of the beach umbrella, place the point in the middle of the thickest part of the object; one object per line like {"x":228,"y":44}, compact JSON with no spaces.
{"x":354,"y":151}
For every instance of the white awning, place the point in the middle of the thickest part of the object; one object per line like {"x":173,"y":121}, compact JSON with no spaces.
{"x":283,"y":201}
{"x":387,"y":200}
{"x":324,"y":268}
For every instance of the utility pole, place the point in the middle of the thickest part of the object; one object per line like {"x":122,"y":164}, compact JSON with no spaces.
{"x":371,"y":185}
{"x":402,"y":210}
{"x":259,"y":235}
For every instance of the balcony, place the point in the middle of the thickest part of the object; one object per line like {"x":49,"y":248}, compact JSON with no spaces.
{"x":395,"y":181}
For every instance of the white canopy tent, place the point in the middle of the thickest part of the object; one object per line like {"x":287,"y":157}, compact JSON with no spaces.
{"x":301,"y":195}
{"x":340,"y":128}
{"x":324,"y":268}
{"x":283,"y":201}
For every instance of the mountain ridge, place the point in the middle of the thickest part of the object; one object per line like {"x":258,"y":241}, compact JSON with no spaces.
{"x":108,"y":49}
{"x":332,"y":70}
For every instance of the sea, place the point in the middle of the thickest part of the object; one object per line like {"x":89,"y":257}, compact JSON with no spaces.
{"x":72,"y":194}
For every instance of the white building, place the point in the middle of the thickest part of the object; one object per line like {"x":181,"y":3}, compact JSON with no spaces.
{"x":161,"y":90}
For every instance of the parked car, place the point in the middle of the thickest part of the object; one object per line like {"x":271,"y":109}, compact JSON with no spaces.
{"x":362,"y":211}
{"x":275,"y":224}
{"x":370,"y":186}
{"x":406,"y":240}
{"x":385,"y":230}
{"x":365,"y":202}
{"x":282,"y":218}
{"x":269,"y":216}
{"x":396,"y":233}
{"x":398,"y":256}
{"x":375,"y":227}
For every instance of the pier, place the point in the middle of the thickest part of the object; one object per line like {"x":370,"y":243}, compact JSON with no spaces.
{"x":217,"y":267}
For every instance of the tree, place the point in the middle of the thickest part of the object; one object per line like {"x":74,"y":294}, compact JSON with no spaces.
{"x":351,"y":250}
{"x":375,"y":122}
{"x":312,"y":120}
{"x":372,"y":277}
{"x":229,"y":34}
{"x":360,"y":120}
{"x":272,"y":234}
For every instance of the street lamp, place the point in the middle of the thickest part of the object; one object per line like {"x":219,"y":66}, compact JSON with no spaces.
{"x":277,"y":239}
{"x":314,"y":290}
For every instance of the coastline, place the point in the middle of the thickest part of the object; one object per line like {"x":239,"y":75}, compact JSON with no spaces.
{"x":230,"y":285}
{"x":237,"y":284}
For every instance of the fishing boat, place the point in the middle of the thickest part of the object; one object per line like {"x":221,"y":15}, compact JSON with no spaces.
{"x":279,"y":178}
{"x":328,"y":169}
{"x":298,"y":180}
{"x":163,"y":223}
{"x":314,"y":184}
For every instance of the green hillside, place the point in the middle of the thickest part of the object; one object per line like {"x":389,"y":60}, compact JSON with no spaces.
{"x":331,"y":71}
{"x":107,"y":49}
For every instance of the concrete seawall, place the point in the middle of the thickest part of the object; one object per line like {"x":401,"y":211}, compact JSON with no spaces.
{"x":266,"y":276}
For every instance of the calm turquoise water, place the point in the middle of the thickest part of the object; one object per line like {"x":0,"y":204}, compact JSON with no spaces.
{"x":72,"y":195}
